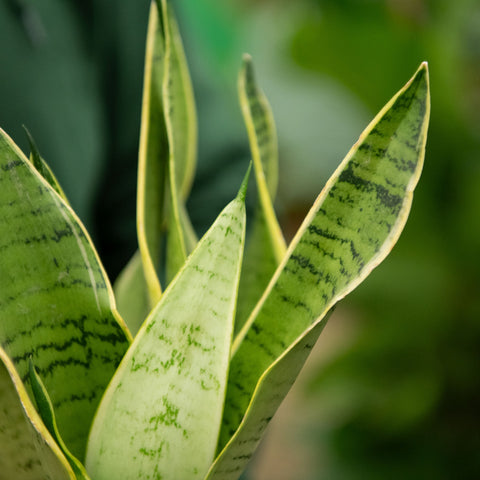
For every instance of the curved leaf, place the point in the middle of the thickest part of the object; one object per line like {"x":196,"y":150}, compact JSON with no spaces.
{"x":270,"y":391}
{"x":152,"y":158}
{"x":265,"y":246}
{"x":350,"y":229}
{"x":27,"y":450}
{"x":167,"y":153}
{"x":181,"y":125}
{"x":262,"y":134}
{"x":45,"y":409}
{"x":161,"y":414}
{"x":56,"y":303}
{"x":180,"y":114}
{"x":132,"y":295}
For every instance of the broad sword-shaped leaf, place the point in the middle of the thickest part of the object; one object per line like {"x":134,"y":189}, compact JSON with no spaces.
{"x":265,"y":246}
{"x":161,"y":415}
{"x":350,"y":229}
{"x":56,"y":303}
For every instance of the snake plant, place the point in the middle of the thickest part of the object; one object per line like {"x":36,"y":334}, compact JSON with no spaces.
{"x":176,"y":372}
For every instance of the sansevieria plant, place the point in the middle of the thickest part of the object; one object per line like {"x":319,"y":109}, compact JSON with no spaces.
{"x":176,"y":375}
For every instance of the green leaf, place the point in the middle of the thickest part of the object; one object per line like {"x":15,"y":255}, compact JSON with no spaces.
{"x":132,"y":295}
{"x":45,"y":409}
{"x":265,"y":246}
{"x":271,"y":389}
{"x":152,"y":158}
{"x":180,"y":114}
{"x":42,"y":167}
{"x":262,"y":134}
{"x":181,"y":125}
{"x":28,"y":451}
{"x":350,"y":229}
{"x":167,"y":156}
{"x":162,"y":411}
{"x":56,"y":303}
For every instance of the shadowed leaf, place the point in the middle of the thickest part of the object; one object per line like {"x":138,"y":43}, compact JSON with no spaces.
{"x":28,"y":452}
{"x":45,"y":408}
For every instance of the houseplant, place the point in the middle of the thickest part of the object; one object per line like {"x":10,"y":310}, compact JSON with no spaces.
{"x":181,"y":382}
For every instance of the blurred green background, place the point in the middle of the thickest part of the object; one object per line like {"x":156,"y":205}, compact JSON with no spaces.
{"x":393,"y":388}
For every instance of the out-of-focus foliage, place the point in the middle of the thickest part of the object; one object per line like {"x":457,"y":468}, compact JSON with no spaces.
{"x":402,"y":399}
{"x":72,"y":73}
{"x":49,"y":83}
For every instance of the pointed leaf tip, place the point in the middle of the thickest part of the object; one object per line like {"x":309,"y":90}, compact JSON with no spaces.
{"x":247,"y":68}
{"x":243,"y":187}
{"x":31,"y":141}
{"x":422,"y":71}
{"x":247,"y":60}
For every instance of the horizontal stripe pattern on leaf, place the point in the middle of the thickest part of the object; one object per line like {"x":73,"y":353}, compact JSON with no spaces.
{"x":350,"y":229}
{"x":55,"y":300}
{"x":28,"y":452}
{"x":265,"y":246}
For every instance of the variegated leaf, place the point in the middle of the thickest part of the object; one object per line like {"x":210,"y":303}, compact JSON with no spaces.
{"x":265,"y":246}
{"x":350,"y":229}
{"x":161,"y":414}
{"x":56,"y":303}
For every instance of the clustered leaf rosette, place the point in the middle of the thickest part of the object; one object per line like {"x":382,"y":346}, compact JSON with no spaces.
{"x":181,"y":382}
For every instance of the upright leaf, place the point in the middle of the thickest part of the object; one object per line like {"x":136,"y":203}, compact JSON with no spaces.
{"x":42,"y":166}
{"x":180,"y":114}
{"x":271,"y":389}
{"x":266,"y":246}
{"x":181,"y":125}
{"x":56,"y":303}
{"x":27,"y":450}
{"x":161,"y":414}
{"x":167,"y":153}
{"x":45,"y":409}
{"x":350,"y":229}
{"x":152,"y":158}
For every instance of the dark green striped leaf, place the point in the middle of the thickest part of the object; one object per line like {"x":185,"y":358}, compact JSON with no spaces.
{"x":350,"y":229}
{"x":45,"y":409}
{"x":161,"y":415}
{"x":265,"y":245}
{"x":56,"y":303}
{"x":271,"y":389}
{"x":27,"y":450}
